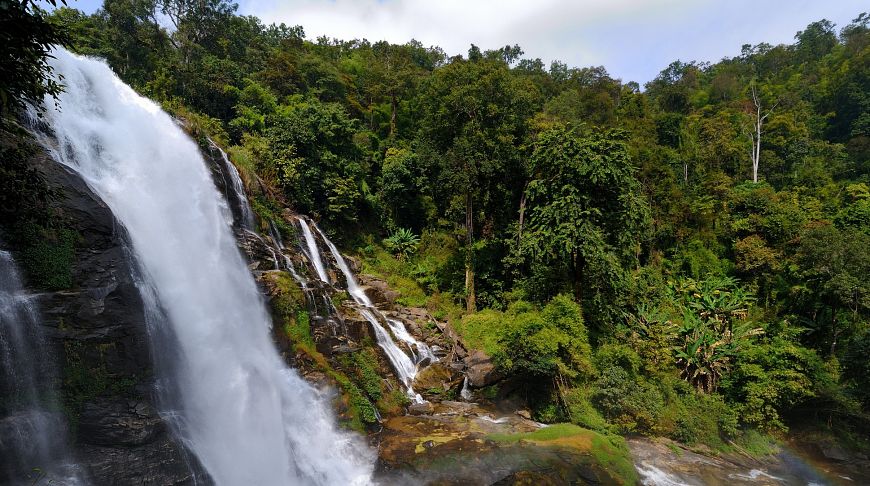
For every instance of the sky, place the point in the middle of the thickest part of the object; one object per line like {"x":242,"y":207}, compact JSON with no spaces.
{"x":633,"y":39}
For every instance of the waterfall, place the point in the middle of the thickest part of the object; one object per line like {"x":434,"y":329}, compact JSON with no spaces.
{"x":247,"y":418}
{"x":404,"y":366}
{"x":232,"y":180}
{"x":313,"y":251}
{"x":421,"y":351}
{"x":465,"y":393}
{"x":32,"y":432}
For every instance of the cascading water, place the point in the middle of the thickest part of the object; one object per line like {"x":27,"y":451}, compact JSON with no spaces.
{"x":233,"y":181}
{"x":313,"y":251}
{"x":247,"y":418}
{"x":32,"y":436}
{"x":404,"y":366}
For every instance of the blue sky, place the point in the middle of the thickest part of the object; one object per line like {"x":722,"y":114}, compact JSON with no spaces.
{"x":633,"y":39}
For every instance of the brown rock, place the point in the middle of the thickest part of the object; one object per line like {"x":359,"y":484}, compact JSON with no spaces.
{"x":481,"y":370}
{"x":425,"y":408}
{"x":437,"y":375}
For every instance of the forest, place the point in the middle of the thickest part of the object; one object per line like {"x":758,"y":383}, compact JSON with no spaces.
{"x":689,"y":258}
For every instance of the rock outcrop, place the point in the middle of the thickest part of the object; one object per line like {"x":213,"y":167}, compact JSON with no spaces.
{"x":481,"y":371}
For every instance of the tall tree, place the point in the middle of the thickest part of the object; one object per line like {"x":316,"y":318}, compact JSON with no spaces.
{"x":26,"y":36}
{"x":758,"y":114}
{"x":474,"y":112}
{"x":586,"y":212}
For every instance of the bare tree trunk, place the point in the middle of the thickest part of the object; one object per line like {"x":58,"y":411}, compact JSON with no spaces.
{"x":756,"y":136}
{"x":471,"y":297}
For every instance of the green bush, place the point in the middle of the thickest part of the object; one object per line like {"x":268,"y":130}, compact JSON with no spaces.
{"x":402,"y":243}
{"x":549,"y":344}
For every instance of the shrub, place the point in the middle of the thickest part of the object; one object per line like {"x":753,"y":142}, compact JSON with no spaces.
{"x":402,"y":243}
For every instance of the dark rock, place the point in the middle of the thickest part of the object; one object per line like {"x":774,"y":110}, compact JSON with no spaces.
{"x":481,"y":370}
{"x":119,"y":422}
{"x":833,"y":452}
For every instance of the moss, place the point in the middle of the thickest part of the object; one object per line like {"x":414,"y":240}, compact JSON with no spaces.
{"x":269,"y":210}
{"x":609,"y":451}
{"x":360,"y":410}
{"x":394,"y":402}
{"x":85,"y":378}
{"x":288,"y":302}
{"x":364,"y":368}
{"x":48,"y":255}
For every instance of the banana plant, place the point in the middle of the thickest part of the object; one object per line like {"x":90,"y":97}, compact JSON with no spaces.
{"x":713,"y":329}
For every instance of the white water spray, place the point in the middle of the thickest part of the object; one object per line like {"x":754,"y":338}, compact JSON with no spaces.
{"x":313,"y":251}
{"x":246,"y":417}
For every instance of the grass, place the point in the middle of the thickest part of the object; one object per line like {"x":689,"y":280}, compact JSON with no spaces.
{"x":753,"y":443}
{"x":416,"y":280}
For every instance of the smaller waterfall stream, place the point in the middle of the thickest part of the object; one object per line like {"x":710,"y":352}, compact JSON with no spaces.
{"x":313,"y":251}
{"x":405,"y":367}
{"x":233,"y":181}
{"x":32,"y":431}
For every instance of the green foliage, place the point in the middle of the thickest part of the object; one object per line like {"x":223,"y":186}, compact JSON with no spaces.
{"x":586,"y":213}
{"x":364,"y":366}
{"x":856,"y":367}
{"x":402,"y":243}
{"x":772,"y":377}
{"x":712,"y":330}
{"x":551,"y":344}
{"x":27,"y":36}
{"x":316,"y":158}
{"x":642,"y":215}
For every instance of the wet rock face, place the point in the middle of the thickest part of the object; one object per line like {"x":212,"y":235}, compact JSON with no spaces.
{"x":113,"y":423}
{"x":101,"y":347}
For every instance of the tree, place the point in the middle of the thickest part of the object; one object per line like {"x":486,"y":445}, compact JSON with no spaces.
{"x":474,"y":113}
{"x":317,"y":161}
{"x":586,"y":213}
{"x":757,"y":115}
{"x":834,"y":265}
{"x":27,"y":38}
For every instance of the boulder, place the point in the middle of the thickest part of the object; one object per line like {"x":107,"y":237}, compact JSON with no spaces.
{"x":379,"y":291}
{"x":481,"y":370}
{"x":833,"y":452}
{"x":425,"y":408}
{"x":436,"y":376}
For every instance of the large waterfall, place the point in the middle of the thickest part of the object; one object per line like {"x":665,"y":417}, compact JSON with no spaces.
{"x":247,"y":418}
{"x":32,"y":431}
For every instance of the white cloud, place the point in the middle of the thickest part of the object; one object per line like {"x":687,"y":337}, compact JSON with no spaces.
{"x":634,"y":39}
